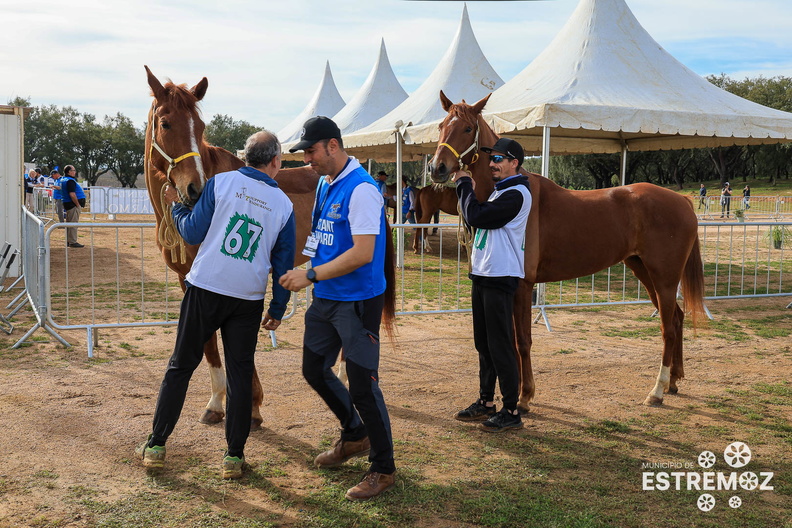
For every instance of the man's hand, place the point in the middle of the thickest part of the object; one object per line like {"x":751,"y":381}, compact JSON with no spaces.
{"x":171,"y":194}
{"x":268,"y":323}
{"x":294,"y":280}
{"x":463,"y":174}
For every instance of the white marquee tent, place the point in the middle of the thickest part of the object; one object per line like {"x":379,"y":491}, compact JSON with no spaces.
{"x":463,"y":72}
{"x":605,"y":85}
{"x":326,"y":101}
{"x":380,"y":93}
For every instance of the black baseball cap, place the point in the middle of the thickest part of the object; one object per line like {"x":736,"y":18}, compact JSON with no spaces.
{"x":54,"y":171}
{"x":317,"y":129}
{"x":507,"y":146}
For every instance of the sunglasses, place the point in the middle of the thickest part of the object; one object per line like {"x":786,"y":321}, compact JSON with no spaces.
{"x":497,"y":158}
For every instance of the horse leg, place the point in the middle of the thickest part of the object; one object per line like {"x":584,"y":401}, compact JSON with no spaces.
{"x":664,"y":299}
{"x":258,"y":397}
{"x":671,"y":325}
{"x":522,"y":335}
{"x":215,"y":412}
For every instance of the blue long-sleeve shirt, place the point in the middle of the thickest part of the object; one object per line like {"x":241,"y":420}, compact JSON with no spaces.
{"x":193,"y":226}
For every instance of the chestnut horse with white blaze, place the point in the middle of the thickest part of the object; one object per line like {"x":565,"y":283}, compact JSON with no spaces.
{"x":571,"y":234}
{"x":176,"y":153}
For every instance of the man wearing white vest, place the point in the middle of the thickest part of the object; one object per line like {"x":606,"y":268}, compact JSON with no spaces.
{"x":498,"y":264}
{"x":245,"y":226}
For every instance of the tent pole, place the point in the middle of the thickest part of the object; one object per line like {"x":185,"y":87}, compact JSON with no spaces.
{"x":546,"y":151}
{"x":369,"y":165}
{"x":623,"y":168}
{"x":425,"y":170}
{"x":399,"y":175}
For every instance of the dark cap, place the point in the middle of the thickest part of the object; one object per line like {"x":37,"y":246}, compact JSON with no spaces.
{"x":316,"y":129}
{"x":54,"y":171}
{"x":509,"y":147}
{"x":37,"y":170}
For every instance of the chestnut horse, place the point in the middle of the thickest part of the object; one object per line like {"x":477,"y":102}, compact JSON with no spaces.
{"x":177,"y":153}
{"x":571,"y":234}
{"x":429,"y":200}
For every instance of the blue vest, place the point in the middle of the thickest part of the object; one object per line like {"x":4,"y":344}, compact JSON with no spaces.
{"x":56,"y":194}
{"x":406,"y":200}
{"x":78,"y":190}
{"x":331,"y":221}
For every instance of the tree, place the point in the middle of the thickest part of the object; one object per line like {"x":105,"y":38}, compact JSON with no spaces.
{"x":124,"y":148}
{"x":222,"y":131}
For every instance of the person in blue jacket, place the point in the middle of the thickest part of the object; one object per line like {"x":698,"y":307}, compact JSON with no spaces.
{"x":245,"y":226}
{"x":73,"y":198}
{"x":347,"y":248}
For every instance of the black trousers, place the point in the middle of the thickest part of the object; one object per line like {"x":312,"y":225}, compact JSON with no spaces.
{"x":493,"y":335}
{"x":202,"y":313}
{"x":353,"y":325}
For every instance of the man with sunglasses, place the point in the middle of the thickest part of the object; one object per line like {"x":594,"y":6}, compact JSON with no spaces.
{"x":497,"y":261}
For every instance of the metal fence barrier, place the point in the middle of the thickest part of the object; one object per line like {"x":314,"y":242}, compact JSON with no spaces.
{"x":755,"y":208}
{"x":123,"y":282}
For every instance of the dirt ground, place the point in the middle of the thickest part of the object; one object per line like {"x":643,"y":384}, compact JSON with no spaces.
{"x":71,"y":423}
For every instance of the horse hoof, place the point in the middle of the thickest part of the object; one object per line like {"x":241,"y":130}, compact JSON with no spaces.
{"x":673,"y":390}
{"x":653,"y":401}
{"x":523,"y":410}
{"x":211,"y":417}
{"x":255,"y":423}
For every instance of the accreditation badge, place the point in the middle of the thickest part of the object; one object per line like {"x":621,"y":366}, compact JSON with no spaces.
{"x":311,"y":245}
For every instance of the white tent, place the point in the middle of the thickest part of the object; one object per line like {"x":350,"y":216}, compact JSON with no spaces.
{"x":463,"y":72}
{"x":326,"y":101}
{"x":380,"y":94}
{"x":605,"y":85}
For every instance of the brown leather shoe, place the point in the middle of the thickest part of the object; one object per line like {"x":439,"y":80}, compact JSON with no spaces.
{"x":373,"y":484}
{"x":343,"y":451}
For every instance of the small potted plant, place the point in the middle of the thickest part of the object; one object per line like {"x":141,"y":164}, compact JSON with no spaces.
{"x":779,"y":234}
{"x":739,"y":214}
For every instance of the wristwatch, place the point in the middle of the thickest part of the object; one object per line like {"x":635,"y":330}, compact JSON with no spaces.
{"x":311,"y":276}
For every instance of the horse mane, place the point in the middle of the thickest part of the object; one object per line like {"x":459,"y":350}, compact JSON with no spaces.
{"x":461,"y":110}
{"x":180,"y":96}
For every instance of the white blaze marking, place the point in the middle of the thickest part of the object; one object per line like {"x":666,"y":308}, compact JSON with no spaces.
{"x":198,"y":164}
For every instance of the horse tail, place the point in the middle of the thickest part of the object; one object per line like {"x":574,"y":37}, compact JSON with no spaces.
{"x":389,"y":309}
{"x":693,"y":283}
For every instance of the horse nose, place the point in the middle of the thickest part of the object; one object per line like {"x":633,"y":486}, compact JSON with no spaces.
{"x":440,"y":171}
{"x":193,"y":193}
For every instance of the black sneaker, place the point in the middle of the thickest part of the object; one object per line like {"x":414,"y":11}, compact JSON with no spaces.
{"x":476,"y":412}
{"x":502,"y":421}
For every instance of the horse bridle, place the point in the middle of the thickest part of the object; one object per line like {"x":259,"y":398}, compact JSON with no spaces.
{"x":171,"y":161}
{"x":473,"y":146}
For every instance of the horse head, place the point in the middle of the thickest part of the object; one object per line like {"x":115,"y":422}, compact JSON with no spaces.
{"x":174,"y":136}
{"x":459,"y":138}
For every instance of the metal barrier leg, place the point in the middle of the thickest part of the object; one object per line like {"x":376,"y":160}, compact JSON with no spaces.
{"x":543,"y":314}
{"x":28,"y":334}
{"x":13,"y":284}
{"x":90,"y":341}
{"x":16,"y":299}
{"x":13,"y":312}
{"x":5,"y":325}
{"x":274,"y":339}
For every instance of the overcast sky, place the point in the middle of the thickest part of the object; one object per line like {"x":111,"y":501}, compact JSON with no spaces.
{"x":265,"y":59}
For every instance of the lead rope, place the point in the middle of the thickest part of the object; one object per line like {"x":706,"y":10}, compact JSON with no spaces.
{"x":167,"y":235}
{"x":465,"y":237}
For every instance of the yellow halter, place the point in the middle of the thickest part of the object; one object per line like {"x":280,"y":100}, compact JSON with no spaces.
{"x":171,"y":161}
{"x":473,"y":146}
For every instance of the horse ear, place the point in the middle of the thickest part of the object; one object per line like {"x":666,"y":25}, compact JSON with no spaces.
{"x":445,"y":101}
{"x":156,"y":87}
{"x":199,"y":90}
{"x":478,"y":107}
